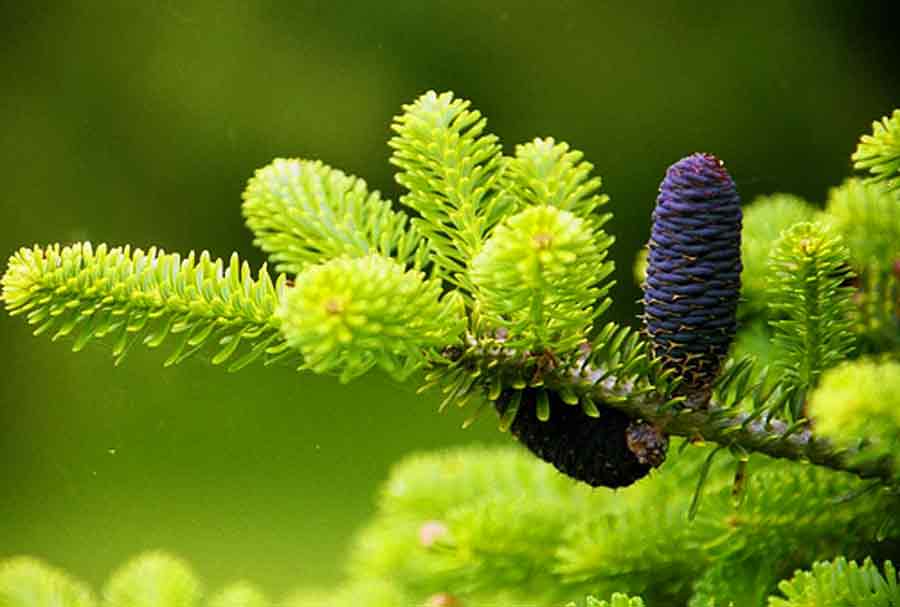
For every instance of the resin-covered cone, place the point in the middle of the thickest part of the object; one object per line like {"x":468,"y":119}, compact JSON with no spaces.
{"x":694,"y":270}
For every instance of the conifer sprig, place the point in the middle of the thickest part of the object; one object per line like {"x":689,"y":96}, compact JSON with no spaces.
{"x":350,"y":314}
{"x":539,"y":277}
{"x":879,"y":152}
{"x":304,"y":212}
{"x":841,"y":583}
{"x":451,"y":168}
{"x":546,"y":172}
{"x":811,"y":305}
{"x":134,"y":295}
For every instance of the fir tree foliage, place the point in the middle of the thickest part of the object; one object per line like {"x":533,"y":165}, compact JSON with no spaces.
{"x":840,"y":582}
{"x":859,"y":401}
{"x":764,"y":220}
{"x":500,"y":523}
{"x":808,"y":269}
{"x":540,"y":274}
{"x":349,"y":314}
{"x":544,"y":172}
{"x":504,"y":275}
{"x":481,"y":525}
{"x":494,"y":290}
{"x":865,"y":214}
{"x":879,"y":153}
{"x":616,"y":600}
{"x":304,"y":212}
{"x":132,"y":295}
{"x":452,"y":169}
{"x":536,"y":277}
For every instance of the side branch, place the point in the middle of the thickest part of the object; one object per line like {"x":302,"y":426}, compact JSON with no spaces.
{"x":725,"y":426}
{"x":705,"y":419}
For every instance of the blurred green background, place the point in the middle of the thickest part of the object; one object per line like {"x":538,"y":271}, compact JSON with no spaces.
{"x":140,"y":123}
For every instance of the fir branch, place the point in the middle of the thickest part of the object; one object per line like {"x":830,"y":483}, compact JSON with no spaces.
{"x":841,"y":583}
{"x":812,"y":308}
{"x":451,"y":168}
{"x":539,"y":278}
{"x":475,"y":522}
{"x":488,"y":500}
{"x":351,"y":314}
{"x":880,"y":151}
{"x":305,"y":212}
{"x":546,"y":172}
{"x":753,"y":432}
{"x":616,"y":600}
{"x":133,"y":295}
{"x":646,"y":393}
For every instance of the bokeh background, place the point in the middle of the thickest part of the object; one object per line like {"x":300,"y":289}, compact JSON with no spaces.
{"x":140,"y":122}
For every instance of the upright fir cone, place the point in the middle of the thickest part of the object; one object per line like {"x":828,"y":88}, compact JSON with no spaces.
{"x":694,"y":270}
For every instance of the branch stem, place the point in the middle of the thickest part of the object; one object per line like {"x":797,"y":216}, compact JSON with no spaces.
{"x":699,"y":419}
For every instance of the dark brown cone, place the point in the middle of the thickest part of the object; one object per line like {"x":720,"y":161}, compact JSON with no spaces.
{"x":592,"y":450}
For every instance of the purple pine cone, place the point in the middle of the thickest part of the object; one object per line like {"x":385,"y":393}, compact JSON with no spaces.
{"x":694,"y":270}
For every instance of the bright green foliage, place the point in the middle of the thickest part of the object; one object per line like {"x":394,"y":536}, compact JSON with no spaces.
{"x":350,"y":314}
{"x":860,"y":401}
{"x":639,"y":268}
{"x":154,"y":579}
{"x":26,"y":582}
{"x":808,"y":268}
{"x":240,"y":594}
{"x":546,"y":172}
{"x":737,"y":582}
{"x":839,"y":583}
{"x":880,"y":151}
{"x":131,"y":295}
{"x":495,"y":526}
{"x":305,"y":212}
{"x":868,"y":217}
{"x":538,"y":276}
{"x":878,"y":305}
{"x":476,"y":522}
{"x":764,"y":221}
{"x":617,"y":600}
{"x":496,"y":287}
{"x":451,"y":168}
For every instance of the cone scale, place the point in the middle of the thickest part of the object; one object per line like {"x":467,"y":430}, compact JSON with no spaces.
{"x":693,"y":274}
